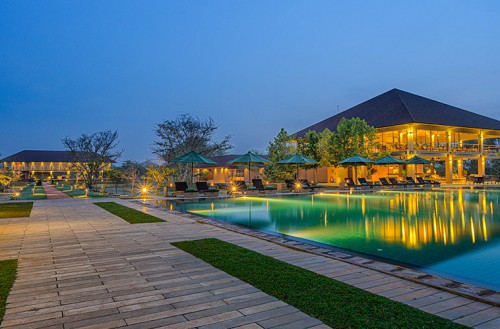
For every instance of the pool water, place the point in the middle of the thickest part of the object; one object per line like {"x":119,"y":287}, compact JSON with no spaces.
{"x":453,"y":233}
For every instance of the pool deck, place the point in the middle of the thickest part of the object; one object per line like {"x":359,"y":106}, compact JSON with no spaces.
{"x":82,"y":267}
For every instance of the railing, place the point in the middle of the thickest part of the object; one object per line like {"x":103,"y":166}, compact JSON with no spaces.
{"x":439,"y":147}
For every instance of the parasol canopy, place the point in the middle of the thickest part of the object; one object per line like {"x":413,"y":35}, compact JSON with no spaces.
{"x":298,"y":159}
{"x":192,"y":158}
{"x":387,"y":160}
{"x":248,"y":158}
{"x":355,"y":160}
{"x":417,"y":160}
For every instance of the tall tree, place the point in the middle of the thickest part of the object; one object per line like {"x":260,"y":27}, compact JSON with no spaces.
{"x":159,"y":174}
{"x":185,"y":134}
{"x":115,"y":176}
{"x":92,"y":153}
{"x":280,"y":148}
{"x":353,"y":136}
{"x":133,"y":171}
{"x":188,"y":133}
{"x":325,"y":150}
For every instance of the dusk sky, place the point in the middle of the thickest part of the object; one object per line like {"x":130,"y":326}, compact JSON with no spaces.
{"x":72,"y":67}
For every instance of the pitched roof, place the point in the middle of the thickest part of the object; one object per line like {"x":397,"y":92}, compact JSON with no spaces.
{"x":397,"y":107}
{"x":39,"y":156}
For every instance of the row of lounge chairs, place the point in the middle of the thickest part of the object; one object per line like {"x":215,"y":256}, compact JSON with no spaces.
{"x":240,"y":187}
{"x":391,"y":182}
{"x":257,"y":188}
{"x":182,"y":189}
{"x":302,"y":185}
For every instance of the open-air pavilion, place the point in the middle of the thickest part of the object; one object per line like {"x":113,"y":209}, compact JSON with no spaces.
{"x":409,"y":125}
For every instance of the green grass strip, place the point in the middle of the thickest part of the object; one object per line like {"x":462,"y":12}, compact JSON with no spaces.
{"x":79,"y":193}
{"x":7,"y":276}
{"x":335,"y":303}
{"x":130,"y":215}
{"x":15,"y":209}
{"x":32,"y":192}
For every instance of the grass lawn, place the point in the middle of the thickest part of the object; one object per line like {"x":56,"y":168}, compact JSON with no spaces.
{"x":27,"y":193}
{"x":15,"y":209}
{"x":79,"y":193}
{"x":130,"y":215}
{"x":335,"y":303}
{"x":7,"y":276}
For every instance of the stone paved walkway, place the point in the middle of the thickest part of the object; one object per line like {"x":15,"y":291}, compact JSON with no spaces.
{"x":53,"y":193}
{"x":82,"y":267}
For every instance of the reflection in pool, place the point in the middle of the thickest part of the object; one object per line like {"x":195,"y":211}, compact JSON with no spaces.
{"x":454,"y":233}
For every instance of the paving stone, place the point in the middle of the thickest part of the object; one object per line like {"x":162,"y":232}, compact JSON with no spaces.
{"x":80,"y":266}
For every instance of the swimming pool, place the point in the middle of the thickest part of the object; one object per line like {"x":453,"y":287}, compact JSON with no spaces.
{"x":453,"y":233}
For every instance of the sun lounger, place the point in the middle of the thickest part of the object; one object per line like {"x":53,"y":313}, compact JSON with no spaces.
{"x":386,"y":183}
{"x":207,"y":190}
{"x":349,"y":183}
{"x":269,"y":189}
{"x":364,"y":183}
{"x":395,"y":183}
{"x":308,"y":186}
{"x":293,"y":186}
{"x":182,"y":189}
{"x":242,"y":188}
{"x":428,"y":182}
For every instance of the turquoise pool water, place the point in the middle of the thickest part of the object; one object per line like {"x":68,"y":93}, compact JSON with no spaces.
{"x":453,"y":233}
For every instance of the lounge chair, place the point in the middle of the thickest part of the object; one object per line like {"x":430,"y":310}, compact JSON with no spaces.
{"x":350,"y":183}
{"x":238,"y":186}
{"x":304,"y":183}
{"x":395,"y":182}
{"x":257,"y":183}
{"x":182,"y":188}
{"x":207,"y":190}
{"x":364,"y":183}
{"x":292,"y":185}
{"x":428,"y":182}
{"x":385,"y":182}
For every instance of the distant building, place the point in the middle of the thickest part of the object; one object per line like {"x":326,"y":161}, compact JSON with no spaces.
{"x":42,"y":164}
{"x":409,"y":125}
{"x":222,"y":172}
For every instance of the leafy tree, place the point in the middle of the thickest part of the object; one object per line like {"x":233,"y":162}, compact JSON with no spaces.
{"x":159,"y":175}
{"x":115,"y":176}
{"x":325,"y":151}
{"x":8,"y":176}
{"x":280,"y":148}
{"x":185,"y":134}
{"x":353,"y":136}
{"x":188,"y":133}
{"x":92,"y":153}
{"x":309,"y":145}
{"x":133,"y":171}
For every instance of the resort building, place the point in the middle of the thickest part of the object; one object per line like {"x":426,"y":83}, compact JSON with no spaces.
{"x":35,"y":164}
{"x":409,"y":125}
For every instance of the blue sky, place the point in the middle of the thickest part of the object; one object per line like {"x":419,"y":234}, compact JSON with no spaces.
{"x":72,"y":67}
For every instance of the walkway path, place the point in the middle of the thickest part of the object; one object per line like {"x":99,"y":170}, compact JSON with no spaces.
{"x":53,"y":193}
{"x":80,"y":266}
